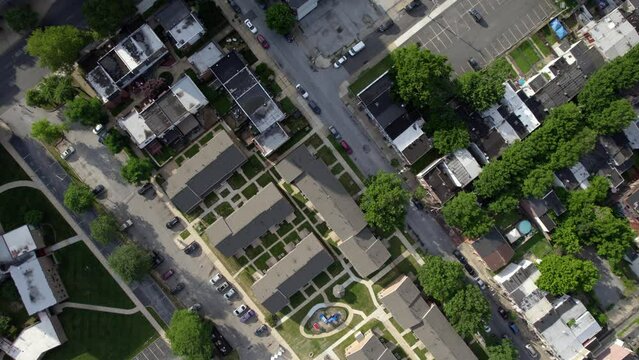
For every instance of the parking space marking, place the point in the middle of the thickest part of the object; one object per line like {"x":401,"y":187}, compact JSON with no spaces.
{"x":443,"y":45}
{"x":445,"y":32}
{"x":483,"y":8}
{"x":483,"y":58}
{"x":539,"y":18}
{"x":521,"y":33}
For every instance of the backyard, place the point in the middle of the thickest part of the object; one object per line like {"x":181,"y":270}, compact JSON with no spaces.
{"x":525,"y":56}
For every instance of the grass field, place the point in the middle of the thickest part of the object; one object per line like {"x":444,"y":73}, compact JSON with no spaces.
{"x":16,"y":202}
{"x":98,"y":335}
{"x":537,"y":245}
{"x":367,"y":76}
{"x":11,"y":171}
{"x":357,"y":296}
{"x":525,"y":56}
{"x":86,"y":280}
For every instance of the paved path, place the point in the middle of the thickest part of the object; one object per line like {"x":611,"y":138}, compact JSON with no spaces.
{"x":59,"y":245}
{"x":68,"y":304}
{"x":17,"y":184}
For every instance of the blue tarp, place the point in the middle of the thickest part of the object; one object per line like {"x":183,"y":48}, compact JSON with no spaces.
{"x":558,"y":28}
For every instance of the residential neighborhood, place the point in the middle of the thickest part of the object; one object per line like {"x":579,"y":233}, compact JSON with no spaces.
{"x":315,"y":179}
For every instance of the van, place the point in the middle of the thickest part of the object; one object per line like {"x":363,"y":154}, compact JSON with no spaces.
{"x":356,"y":48}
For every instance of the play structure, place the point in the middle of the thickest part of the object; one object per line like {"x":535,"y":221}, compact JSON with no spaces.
{"x":334,"y":319}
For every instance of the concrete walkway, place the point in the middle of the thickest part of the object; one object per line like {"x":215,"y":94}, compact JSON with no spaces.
{"x":59,"y":245}
{"x":68,"y":304}
{"x":17,"y":184}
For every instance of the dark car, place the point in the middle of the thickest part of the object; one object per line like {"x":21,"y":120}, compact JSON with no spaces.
{"x":179,"y":287}
{"x":98,"y":190}
{"x":316,"y":109}
{"x":102,"y":136}
{"x":474,"y":64}
{"x":262,"y":330}
{"x":385,"y":25}
{"x":220,"y":342}
{"x":247,"y":315}
{"x":412,"y":5}
{"x":191,"y":248}
{"x":502,"y":312}
{"x":418,"y":204}
{"x":476,"y":15}
{"x":513,"y":327}
{"x":261,"y":4}
{"x":262,"y":40}
{"x":470,"y":270}
{"x":146,"y":187}
{"x":171,"y":223}
{"x":335,"y":133}
{"x":235,"y":6}
{"x":168,"y":274}
{"x":459,"y":256}
{"x":156,"y":259}
{"x":289,"y":38}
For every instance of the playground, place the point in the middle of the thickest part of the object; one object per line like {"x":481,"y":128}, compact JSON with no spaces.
{"x":325,"y":320}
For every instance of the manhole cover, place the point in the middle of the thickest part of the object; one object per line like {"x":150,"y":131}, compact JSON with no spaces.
{"x":339,"y":29}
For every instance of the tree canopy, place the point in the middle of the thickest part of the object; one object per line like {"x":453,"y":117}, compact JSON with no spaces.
{"x":104,"y":228}
{"x":47,"y":132}
{"x":614,"y":118}
{"x":57,"y":47}
{"x":52,"y":91}
{"x":189,"y":336}
{"x":569,"y":152}
{"x":130,"y":261}
{"x":566,"y":274}
{"x":464,"y":213}
{"x":503,"y":204}
{"x":441,"y":279}
{"x":502,"y":351}
{"x":115,"y":141}
{"x":5,"y":324}
{"x":448,"y":131}
{"x":538,"y":182}
{"x":137,"y":170}
{"x":481,"y":89}
{"x":422,"y":78}
{"x":106,"y":17}
{"x":565,"y":237}
{"x":280,"y":18}
{"x":85,"y":111}
{"x":384,"y":202}
{"x":21,"y":18}
{"x":468,"y":311}
{"x":78,"y":197}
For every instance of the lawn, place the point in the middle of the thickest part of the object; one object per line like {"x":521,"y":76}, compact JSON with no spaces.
{"x":252,"y":167}
{"x":260,"y":263}
{"x":349,"y":184}
{"x":373,"y":324}
{"x":314,"y":141}
{"x":369,"y":75}
{"x":209,"y":218}
{"x":395,"y":247}
{"x":268,"y":239}
{"x":11,"y":171}
{"x":505,"y":220}
{"x":407,"y":266}
{"x":537,"y":245}
{"x":224,"y":209}
{"x":326,"y":155}
{"x":86,"y":280}
{"x":348,"y":159}
{"x":11,"y":305}
{"x":337,"y":169}
{"x":284,"y":228}
{"x":184,"y":234}
{"x":15,"y":203}
{"x":321,"y":279}
{"x":424,"y":161}
{"x":525,"y":56}
{"x":287,"y":106}
{"x":192,"y":151}
{"x":249,"y":191}
{"x":292,"y":237}
{"x":98,"y":335}
{"x":278,"y":250}
{"x":265,"y":179}
{"x":204,"y":139}
{"x":323,"y":229}
{"x":236,"y":181}
{"x":541,"y":45}
{"x":356,"y":295}
{"x":410,"y":338}
{"x":253,"y":251}
{"x":335,"y":268}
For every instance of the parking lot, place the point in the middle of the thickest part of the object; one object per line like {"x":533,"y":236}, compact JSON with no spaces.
{"x":157,"y":350}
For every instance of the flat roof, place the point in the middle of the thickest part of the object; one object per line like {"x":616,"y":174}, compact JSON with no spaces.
{"x":20,"y":241}
{"x":172,"y":14}
{"x":137,"y":128}
{"x":131,"y":52}
{"x":261,"y":212}
{"x":271,"y":139}
{"x":206,"y":57}
{"x":287,"y":276}
{"x":187,"y":32}
{"x":613,"y":35}
{"x":365,"y":252}
{"x":37,"y":339}
{"x":198,"y":175}
{"x":33,"y":286}
{"x":189,"y":94}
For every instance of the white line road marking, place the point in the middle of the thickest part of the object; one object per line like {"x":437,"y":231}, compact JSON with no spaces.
{"x":537,"y":15}
{"x":483,"y":58}
{"x":521,"y":33}
{"x":483,"y":8}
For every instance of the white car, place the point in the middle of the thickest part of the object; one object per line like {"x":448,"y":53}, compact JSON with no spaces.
{"x":250,"y":26}
{"x":339,"y":62}
{"x":481,"y":283}
{"x":240,"y":310}
{"x":531,"y":350}
{"x":217,"y":277}
{"x":301,"y":91}
{"x":229,"y":294}
{"x":66,"y":153}
{"x":98,"y":128}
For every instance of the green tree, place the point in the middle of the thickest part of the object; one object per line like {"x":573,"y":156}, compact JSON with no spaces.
{"x":504,"y":204}
{"x":130,"y":261}
{"x":596,"y":193}
{"x":106,"y":17}
{"x":449,"y":140}
{"x":52,"y":91}
{"x":47,"y":132}
{"x":611,"y":235}
{"x":137,"y":170}
{"x":115,"y":141}
{"x":21,"y":18}
{"x":503,"y":351}
{"x":563,"y":274}
{"x":280,"y":18}
{"x":538,"y":183}
{"x":78,"y":197}
{"x":422,"y":79}
{"x":384,"y":202}
{"x":189,"y":336}
{"x":5,"y":324}
{"x":57,"y":47}
{"x":86,"y":111}
{"x":104,"y":228}
{"x":481,"y":89}
{"x":614,"y":118}
{"x":464,"y":213}
{"x":569,"y":152}
{"x":420,"y":193}
{"x":33,"y":217}
{"x":468,"y":311}
{"x":565,"y":237}
{"x":441,"y":279}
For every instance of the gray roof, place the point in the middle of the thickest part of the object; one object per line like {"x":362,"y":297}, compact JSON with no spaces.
{"x":171,"y":14}
{"x":199,"y":175}
{"x":287,"y":276}
{"x":368,"y":348}
{"x":403,"y":299}
{"x":368,"y":252}
{"x":264,"y":210}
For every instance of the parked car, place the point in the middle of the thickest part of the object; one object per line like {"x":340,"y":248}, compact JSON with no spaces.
{"x":171,"y":223}
{"x":146,"y":187}
{"x":126,"y":224}
{"x":502,"y":312}
{"x":262,"y":330}
{"x":240,"y":310}
{"x":102,"y":136}
{"x":168,"y":274}
{"x":335,"y":133}
{"x":531,"y":351}
{"x":339,"y":62}
{"x":156,"y":259}
{"x":513,"y":327}
{"x":480,"y":283}
{"x":98,"y":190}
{"x":459,"y":256}
{"x":412,"y":5}
{"x":195,"y":307}
{"x":176,"y":290}
{"x":356,"y":48}
{"x":301,"y":91}
{"x":191,"y":248}
{"x":220,"y":342}
{"x":418,"y":204}
{"x":470,"y":270}
{"x":289,"y":38}
{"x":98,"y":129}
{"x":487,"y":328}
{"x":385,"y":25}
{"x":474,"y":64}
{"x":223,"y":286}
{"x":67,"y":152}
{"x":217,"y":277}
{"x":250,"y":26}
{"x":476,"y":15}
{"x":261,"y":4}
{"x":262,"y":40}
{"x":230,"y":294}
{"x":247,"y":316}
{"x":346,"y":147}
{"x":316,"y":109}
{"x":235,"y":6}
